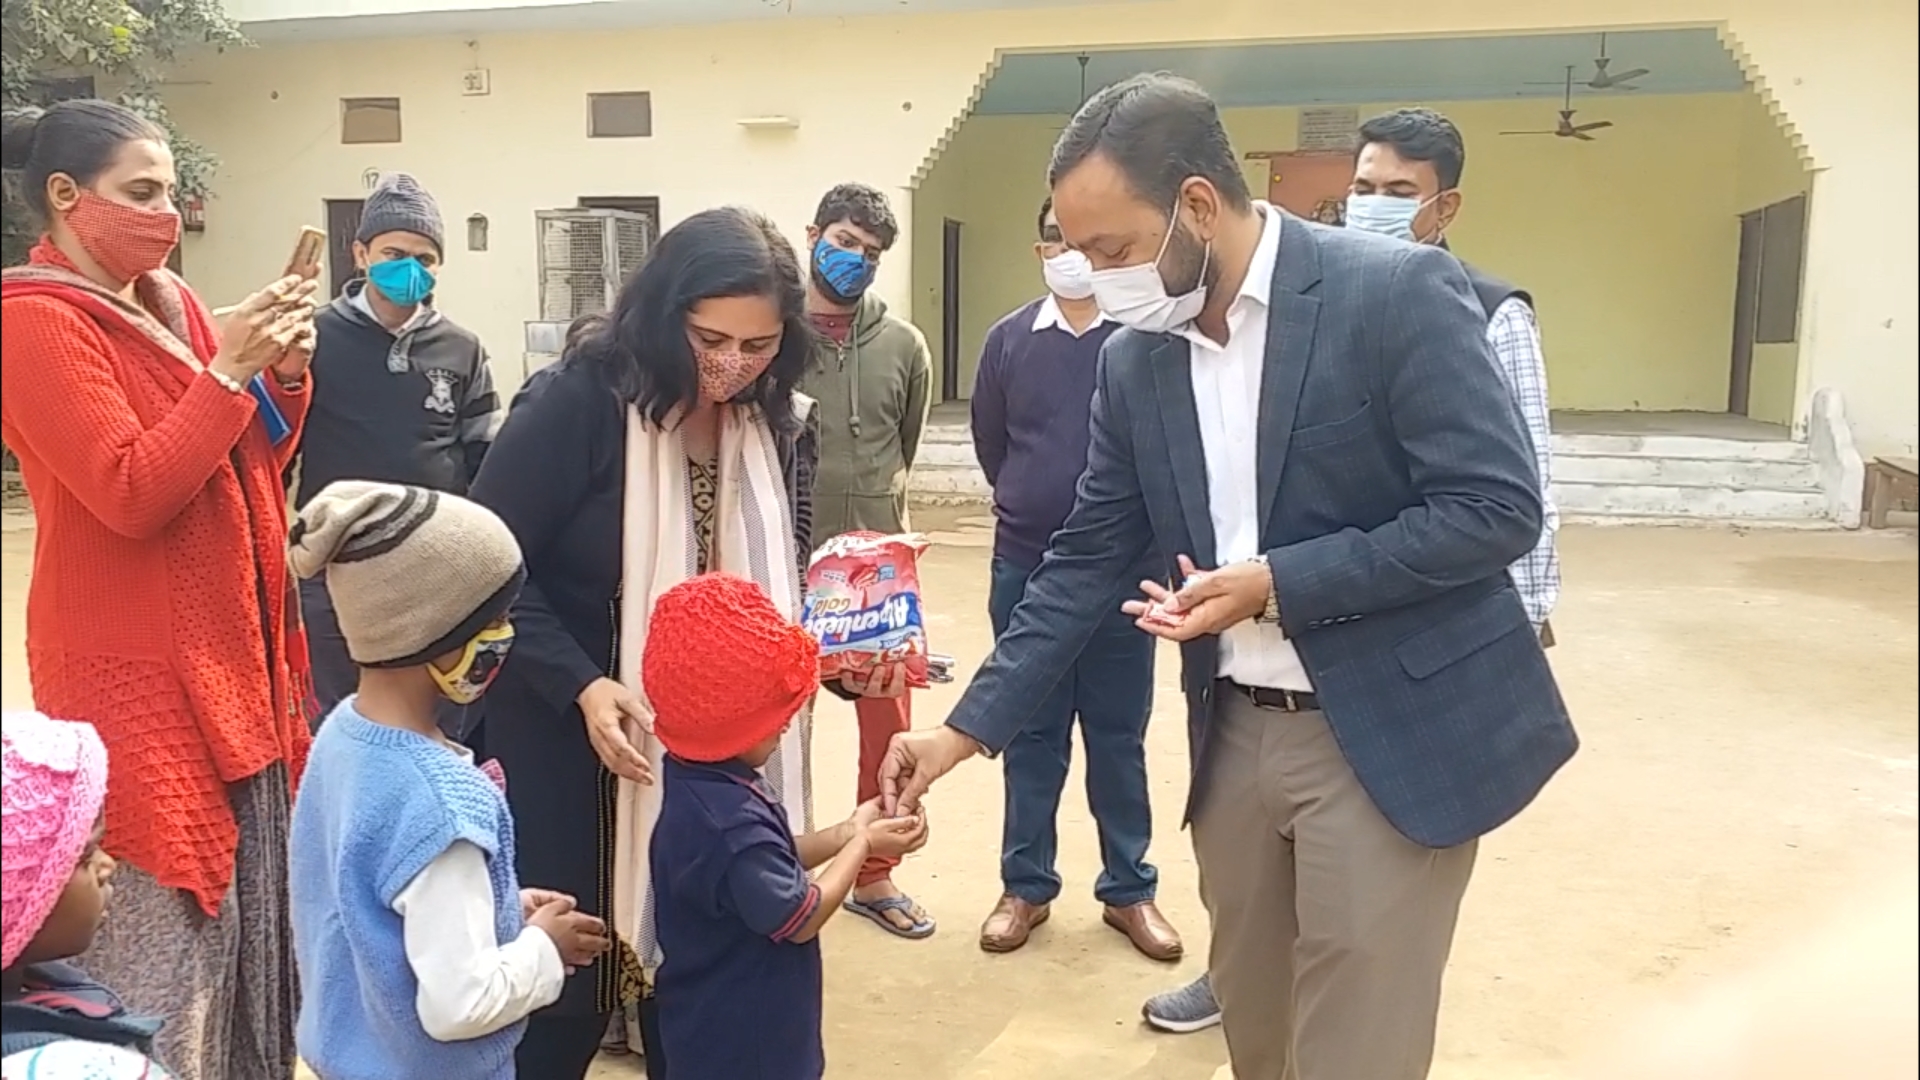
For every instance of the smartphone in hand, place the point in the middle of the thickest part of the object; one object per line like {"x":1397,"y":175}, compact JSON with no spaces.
{"x":307,"y":253}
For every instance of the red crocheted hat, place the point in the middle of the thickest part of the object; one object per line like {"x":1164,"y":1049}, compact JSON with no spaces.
{"x":723,"y":668}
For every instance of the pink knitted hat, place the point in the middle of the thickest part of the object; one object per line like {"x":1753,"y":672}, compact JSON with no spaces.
{"x":52,"y":786}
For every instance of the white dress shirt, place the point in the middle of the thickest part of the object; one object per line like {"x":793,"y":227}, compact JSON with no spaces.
{"x":471,"y":983}
{"x":1226,"y":395}
{"x":1050,"y":317}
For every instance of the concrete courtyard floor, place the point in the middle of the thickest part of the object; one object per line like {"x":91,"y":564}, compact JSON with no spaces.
{"x":1748,"y":704}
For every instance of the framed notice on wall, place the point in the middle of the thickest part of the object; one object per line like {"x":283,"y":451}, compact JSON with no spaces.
{"x":1327,"y":130}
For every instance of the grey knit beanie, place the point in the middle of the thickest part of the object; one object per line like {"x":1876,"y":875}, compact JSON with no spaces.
{"x":414,"y":574}
{"x":399,"y":204}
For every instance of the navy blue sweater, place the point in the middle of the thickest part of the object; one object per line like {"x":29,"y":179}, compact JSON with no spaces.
{"x":1032,"y":398}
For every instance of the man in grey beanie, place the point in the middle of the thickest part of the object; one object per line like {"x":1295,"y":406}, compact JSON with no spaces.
{"x":401,"y":394}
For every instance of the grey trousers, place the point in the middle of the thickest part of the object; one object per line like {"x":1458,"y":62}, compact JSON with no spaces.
{"x":1330,"y":929}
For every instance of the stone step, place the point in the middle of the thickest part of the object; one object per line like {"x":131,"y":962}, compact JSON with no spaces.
{"x":1679,"y":446}
{"x":1738,"y":474}
{"x":944,"y":454}
{"x":1578,"y":498}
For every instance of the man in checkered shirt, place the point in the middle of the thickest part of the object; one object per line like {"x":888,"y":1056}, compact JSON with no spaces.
{"x":1406,"y":184}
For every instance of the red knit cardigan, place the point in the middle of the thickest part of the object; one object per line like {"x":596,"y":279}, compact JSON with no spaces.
{"x":159,"y":609}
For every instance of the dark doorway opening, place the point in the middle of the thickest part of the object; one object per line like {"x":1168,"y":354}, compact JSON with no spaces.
{"x":949,"y":310}
{"x":1746,"y":304}
{"x":343,"y":221}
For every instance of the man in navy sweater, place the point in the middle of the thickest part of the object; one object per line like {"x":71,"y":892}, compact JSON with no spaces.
{"x":1031,"y":401}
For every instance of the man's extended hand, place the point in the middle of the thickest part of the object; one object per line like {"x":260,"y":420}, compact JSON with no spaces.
{"x":915,"y":759}
{"x":1208,"y":603}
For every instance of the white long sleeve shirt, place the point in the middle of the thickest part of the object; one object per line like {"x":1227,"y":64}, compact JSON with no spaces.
{"x":471,"y":984}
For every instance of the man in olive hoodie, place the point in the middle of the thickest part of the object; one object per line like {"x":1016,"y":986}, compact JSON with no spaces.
{"x":872,"y":376}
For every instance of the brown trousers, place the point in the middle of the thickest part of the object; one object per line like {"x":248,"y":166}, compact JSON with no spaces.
{"x":1330,"y":929}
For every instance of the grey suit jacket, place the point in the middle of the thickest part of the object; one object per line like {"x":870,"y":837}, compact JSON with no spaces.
{"x":1396,"y":485}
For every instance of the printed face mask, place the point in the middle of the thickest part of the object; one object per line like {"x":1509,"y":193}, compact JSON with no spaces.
{"x":406,"y":281}
{"x":1388,"y":215}
{"x":125,"y":241}
{"x":1137,"y":296}
{"x":478,"y":666}
{"x":844,"y":274}
{"x":1069,"y":275}
{"x":723,"y":374}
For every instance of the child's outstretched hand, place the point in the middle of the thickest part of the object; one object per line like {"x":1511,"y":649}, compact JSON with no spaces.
{"x":890,"y":838}
{"x":580,"y":937}
{"x":866,"y":814}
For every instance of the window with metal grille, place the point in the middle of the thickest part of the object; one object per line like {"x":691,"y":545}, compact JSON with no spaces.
{"x":585,"y":256}
{"x":624,"y":115}
{"x":369,"y":120}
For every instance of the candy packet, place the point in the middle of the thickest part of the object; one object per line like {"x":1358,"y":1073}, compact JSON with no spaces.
{"x":863,"y":605}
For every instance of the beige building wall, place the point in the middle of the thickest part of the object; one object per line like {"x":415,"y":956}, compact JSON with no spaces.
{"x":1629,"y":244}
{"x":1839,"y":75}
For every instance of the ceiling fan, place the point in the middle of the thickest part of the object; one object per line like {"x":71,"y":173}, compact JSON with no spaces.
{"x":1604,"y":77}
{"x":1566,"y":128}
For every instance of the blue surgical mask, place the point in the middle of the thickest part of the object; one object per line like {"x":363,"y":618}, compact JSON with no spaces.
{"x":406,"y":281}
{"x":1388,"y":215}
{"x":844,"y":274}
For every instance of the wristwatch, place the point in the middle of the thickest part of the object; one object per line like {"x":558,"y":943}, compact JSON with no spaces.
{"x":1270,"y":613}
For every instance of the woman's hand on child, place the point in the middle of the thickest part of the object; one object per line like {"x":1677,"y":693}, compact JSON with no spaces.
{"x":607,"y":706}
{"x":890,"y":838}
{"x":580,"y":937}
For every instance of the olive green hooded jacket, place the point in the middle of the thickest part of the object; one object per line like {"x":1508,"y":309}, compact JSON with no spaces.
{"x":873,"y":395}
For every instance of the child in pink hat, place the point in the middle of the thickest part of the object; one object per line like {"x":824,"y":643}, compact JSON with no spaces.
{"x":55,"y":1022}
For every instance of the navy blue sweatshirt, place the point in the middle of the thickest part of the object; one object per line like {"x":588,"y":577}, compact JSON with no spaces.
{"x":1032,"y":399}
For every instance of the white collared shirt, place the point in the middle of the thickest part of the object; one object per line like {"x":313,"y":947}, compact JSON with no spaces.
{"x":1050,"y":317}
{"x":1226,"y":395}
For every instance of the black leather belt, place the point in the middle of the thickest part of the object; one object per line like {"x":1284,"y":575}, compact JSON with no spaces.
{"x":1280,"y":700}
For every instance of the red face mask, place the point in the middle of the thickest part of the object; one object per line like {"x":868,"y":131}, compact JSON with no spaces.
{"x":125,"y":240}
{"x":724,"y":374}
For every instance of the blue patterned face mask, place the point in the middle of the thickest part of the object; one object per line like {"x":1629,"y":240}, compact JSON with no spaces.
{"x":406,"y":282}
{"x":844,"y":274}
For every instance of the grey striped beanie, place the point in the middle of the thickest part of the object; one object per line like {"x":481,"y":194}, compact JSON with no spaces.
{"x":398,"y":203}
{"x":414,"y":574}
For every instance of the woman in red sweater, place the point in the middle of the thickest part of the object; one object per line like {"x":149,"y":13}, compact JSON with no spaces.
{"x":152,"y":442}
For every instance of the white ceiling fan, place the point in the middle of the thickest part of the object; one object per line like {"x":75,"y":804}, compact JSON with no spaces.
{"x":1566,"y":128}
{"x":1604,"y":77}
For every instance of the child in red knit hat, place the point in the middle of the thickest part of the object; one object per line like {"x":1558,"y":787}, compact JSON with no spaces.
{"x":737,"y":915}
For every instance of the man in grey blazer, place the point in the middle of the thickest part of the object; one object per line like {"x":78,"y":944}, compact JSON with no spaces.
{"x":1306,"y":428}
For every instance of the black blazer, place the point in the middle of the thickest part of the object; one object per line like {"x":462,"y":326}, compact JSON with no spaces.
{"x":1396,"y":485}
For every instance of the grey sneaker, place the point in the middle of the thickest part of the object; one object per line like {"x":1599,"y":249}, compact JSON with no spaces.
{"x":1184,"y":1011}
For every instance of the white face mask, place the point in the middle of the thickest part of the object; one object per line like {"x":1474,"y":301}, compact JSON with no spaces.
{"x":1388,"y":215}
{"x":1136,"y":296}
{"x":1069,"y":275}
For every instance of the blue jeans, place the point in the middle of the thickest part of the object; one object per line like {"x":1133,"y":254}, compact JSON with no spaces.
{"x":1110,"y":689}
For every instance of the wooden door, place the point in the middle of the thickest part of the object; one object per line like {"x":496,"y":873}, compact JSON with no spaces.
{"x":1746,"y":307}
{"x":950,"y":310}
{"x":343,"y":221}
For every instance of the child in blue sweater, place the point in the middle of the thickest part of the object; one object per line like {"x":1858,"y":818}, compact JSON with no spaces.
{"x":419,"y":954}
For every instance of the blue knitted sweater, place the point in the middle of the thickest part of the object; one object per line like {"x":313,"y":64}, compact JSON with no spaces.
{"x":376,"y":805}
